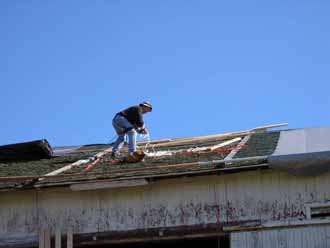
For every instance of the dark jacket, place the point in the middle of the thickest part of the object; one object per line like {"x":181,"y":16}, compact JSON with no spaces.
{"x":133,"y":115}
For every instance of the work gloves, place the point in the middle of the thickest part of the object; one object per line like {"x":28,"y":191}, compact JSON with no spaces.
{"x":142,"y":130}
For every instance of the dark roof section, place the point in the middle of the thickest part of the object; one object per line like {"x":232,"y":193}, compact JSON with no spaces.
{"x":180,"y":163}
{"x":32,"y":150}
{"x":259,"y":144}
{"x":41,"y":167}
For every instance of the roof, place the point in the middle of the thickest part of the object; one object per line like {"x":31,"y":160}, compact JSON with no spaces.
{"x":297,"y":151}
{"x":165,"y":158}
{"x":303,"y":152}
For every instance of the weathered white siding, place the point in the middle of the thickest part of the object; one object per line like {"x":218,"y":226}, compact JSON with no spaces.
{"x":302,"y":237}
{"x":255,"y":195}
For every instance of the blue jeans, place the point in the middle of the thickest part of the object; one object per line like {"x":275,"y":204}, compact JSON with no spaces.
{"x":123,"y":127}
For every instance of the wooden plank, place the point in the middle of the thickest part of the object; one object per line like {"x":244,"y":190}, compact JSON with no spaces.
{"x":182,"y":141}
{"x":58,"y":238}
{"x":193,"y":150}
{"x":204,"y":138}
{"x":291,"y":237}
{"x":228,"y":142}
{"x":327,"y":237}
{"x":265,"y":239}
{"x":238,"y":240}
{"x":234,"y":152}
{"x":254,"y":239}
{"x":108,"y":185}
{"x":282,"y":238}
{"x":317,"y":239}
{"x":264,"y":128}
{"x":303,"y":237}
{"x":219,"y":136}
{"x":152,"y":142}
{"x":47,"y":238}
{"x":63,"y":169}
{"x":294,"y":225}
{"x":273,"y":239}
{"x":41,"y":238}
{"x":69,"y":237}
{"x":77,"y":163}
{"x":310,"y":235}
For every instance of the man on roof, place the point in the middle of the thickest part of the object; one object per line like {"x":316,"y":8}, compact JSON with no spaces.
{"x":130,"y":122}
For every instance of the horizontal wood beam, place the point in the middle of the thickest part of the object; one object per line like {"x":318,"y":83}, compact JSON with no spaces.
{"x":150,"y":234}
{"x":108,"y":185}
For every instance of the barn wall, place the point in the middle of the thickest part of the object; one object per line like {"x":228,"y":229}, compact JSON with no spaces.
{"x":303,"y":237}
{"x":256,"y":195}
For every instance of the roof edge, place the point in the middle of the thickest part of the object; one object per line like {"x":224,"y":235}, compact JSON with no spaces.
{"x":303,"y":164}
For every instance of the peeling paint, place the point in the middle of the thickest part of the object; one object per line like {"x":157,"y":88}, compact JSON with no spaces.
{"x":171,"y":203}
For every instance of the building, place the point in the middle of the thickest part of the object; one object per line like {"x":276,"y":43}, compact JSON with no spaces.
{"x":256,"y":188}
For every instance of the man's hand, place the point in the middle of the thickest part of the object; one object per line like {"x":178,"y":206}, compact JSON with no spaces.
{"x":143,"y":131}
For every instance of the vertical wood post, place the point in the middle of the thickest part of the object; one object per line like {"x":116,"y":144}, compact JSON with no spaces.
{"x":47,"y":238}
{"x":69,"y":237}
{"x":58,"y":238}
{"x":41,"y":238}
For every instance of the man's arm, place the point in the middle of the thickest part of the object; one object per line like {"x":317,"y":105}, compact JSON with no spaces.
{"x":139,"y":118}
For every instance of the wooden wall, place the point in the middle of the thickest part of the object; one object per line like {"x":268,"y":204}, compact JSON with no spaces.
{"x":257,"y":195}
{"x":302,"y":237}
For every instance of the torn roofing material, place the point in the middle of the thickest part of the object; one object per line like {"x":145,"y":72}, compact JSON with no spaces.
{"x":26,"y":151}
{"x":189,"y":156}
{"x":280,"y":150}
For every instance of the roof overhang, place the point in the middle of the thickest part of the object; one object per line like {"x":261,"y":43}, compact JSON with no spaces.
{"x":303,"y":152}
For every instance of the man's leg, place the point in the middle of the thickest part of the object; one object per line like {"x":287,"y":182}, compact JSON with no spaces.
{"x":120,"y":130}
{"x":119,"y":143}
{"x":121,"y":125}
{"x":131,"y":141}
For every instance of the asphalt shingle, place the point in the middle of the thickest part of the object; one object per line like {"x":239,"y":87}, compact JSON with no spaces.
{"x":259,"y":144}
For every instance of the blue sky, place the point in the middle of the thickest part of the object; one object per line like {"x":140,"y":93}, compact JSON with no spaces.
{"x":66,"y":67}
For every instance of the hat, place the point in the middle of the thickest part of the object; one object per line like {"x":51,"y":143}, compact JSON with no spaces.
{"x":146,"y":104}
